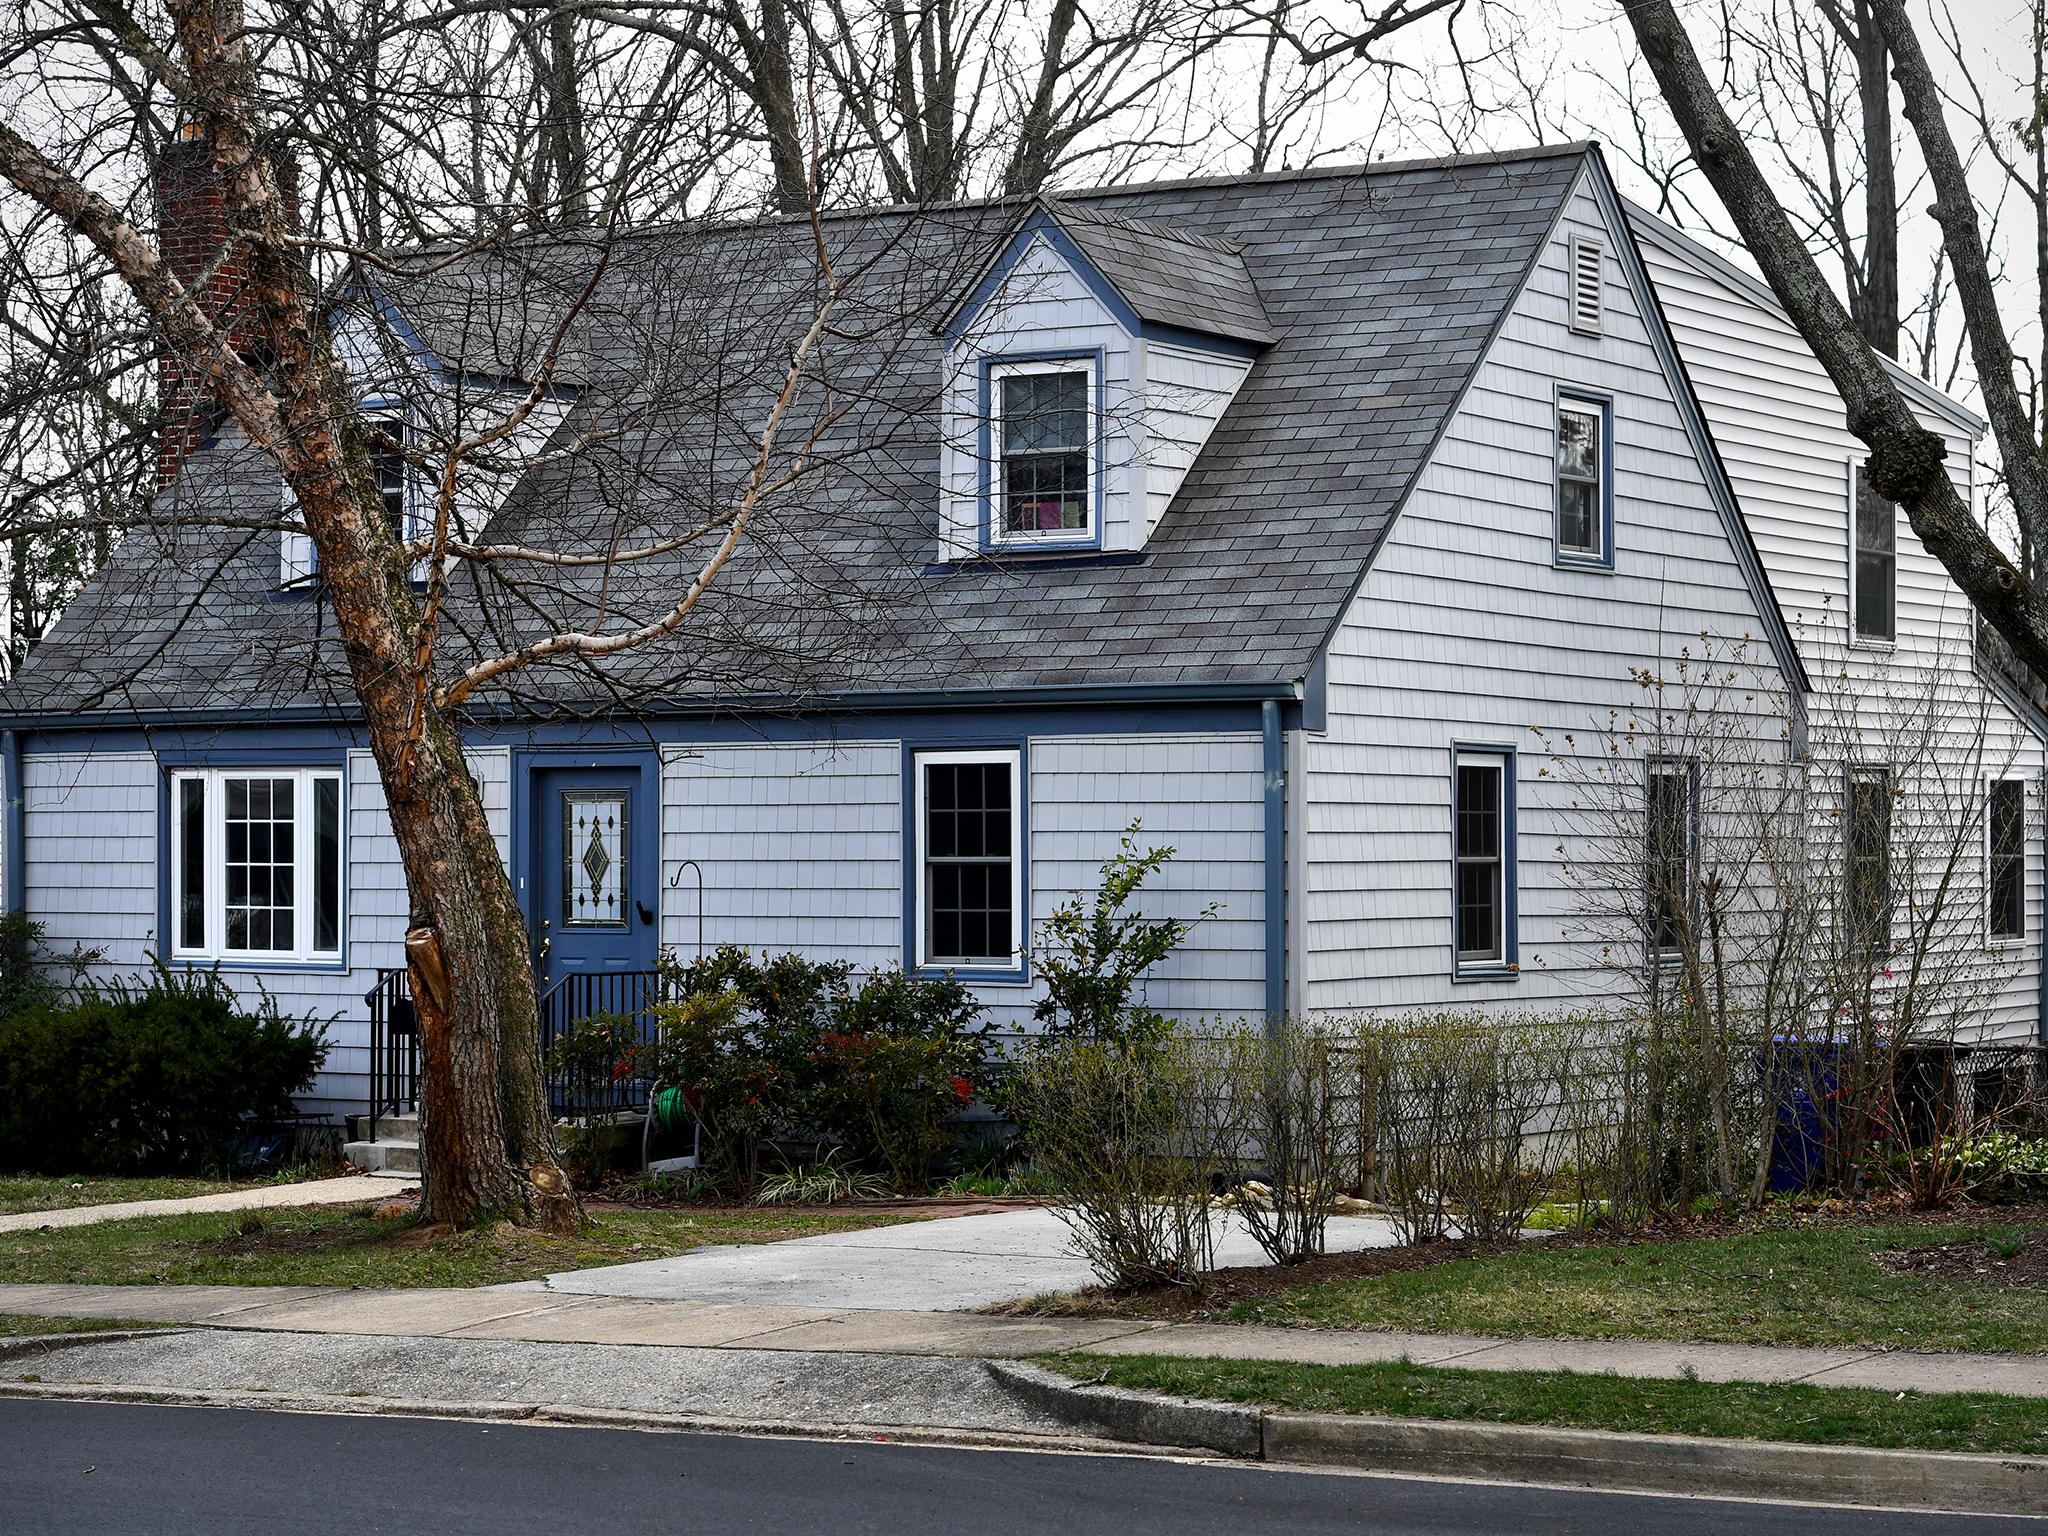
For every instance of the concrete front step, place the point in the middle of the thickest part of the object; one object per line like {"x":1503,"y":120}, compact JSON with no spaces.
{"x":386,"y":1155}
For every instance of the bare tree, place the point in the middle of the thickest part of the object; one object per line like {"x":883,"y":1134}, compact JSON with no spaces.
{"x":1905,"y":458}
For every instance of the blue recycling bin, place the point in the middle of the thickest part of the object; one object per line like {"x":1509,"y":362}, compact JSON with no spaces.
{"x":1801,"y":1079}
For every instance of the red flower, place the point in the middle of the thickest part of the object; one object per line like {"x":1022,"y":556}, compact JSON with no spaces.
{"x":623,"y":1067}
{"x":963,"y":1088}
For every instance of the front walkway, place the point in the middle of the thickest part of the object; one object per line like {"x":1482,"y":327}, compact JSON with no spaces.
{"x":953,"y":1263}
{"x":508,"y":1315}
{"x":258,"y":1197}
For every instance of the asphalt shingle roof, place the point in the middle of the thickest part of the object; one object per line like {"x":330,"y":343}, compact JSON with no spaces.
{"x":1170,"y":277}
{"x":1381,"y":288}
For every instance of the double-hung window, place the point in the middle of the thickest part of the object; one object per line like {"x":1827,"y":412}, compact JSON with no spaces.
{"x":1584,"y":524}
{"x":1873,"y":563}
{"x":256,"y":864}
{"x":1043,"y":432}
{"x":1669,"y":854}
{"x":1867,"y":838}
{"x":386,"y":438}
{"x":970,"y":859}
{"x":2005,"y":853}
{"x":1482,"y":815}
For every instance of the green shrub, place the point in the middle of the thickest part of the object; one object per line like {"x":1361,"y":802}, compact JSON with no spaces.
{"x":592,"y":1062}
{"x":146,"y":1078}
{"x":1092,"y":954}
{"x":1293,"y":1109}
{"x":1999,"y":1166}
{"x":904,"y":1056}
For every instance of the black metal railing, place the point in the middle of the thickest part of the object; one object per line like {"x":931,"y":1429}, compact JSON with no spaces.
{"x":394,"y":1048}
{"x":580,"y":995}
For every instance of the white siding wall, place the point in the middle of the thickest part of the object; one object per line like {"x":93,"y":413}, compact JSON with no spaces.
{"x":90,"y":848}
{"x":1185,"y":395}
{"x":801,"y":847}
{"x":1465,"y":630}
{"x":1784,"y":437}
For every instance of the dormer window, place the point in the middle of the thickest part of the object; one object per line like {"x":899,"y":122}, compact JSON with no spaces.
{"x":387,"y":463}
{"x":1043,"y":435}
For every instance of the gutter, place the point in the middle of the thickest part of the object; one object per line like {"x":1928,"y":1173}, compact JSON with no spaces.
{"x":13,"y":896}
{"x":1049,"y":695}
{"x":1275,"y":740}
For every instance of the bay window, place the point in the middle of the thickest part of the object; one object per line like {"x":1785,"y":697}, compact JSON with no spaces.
{"x":255,"y":864}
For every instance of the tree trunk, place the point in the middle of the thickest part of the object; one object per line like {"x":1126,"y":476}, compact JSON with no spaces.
{"x":1877,"y":296}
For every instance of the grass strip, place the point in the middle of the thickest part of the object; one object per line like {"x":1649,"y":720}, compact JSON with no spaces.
{"x":1818,"y":1286}
{"x":18,"y":1325}
{"x":1802,"y":1415}
{"x":348,"y":1246}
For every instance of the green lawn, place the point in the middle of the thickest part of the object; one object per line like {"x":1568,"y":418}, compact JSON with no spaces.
{"x":33,"y":1192}
{"x":1815,"y":1285}
{"x":342,"y":1245}
{"x":1741,"y":1411}
{"x":15,"y":1325}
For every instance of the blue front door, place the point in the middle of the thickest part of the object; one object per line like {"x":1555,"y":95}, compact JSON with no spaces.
{"x":596,"y":891}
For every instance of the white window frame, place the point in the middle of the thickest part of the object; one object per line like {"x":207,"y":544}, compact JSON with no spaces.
{"x":216,"y":948}
{"x":1991,"y":786}
{"x":1601,"y":555}
{"x":1013,"y":758}
{"x":1856,"y":636}
{"x":1499,"y":763}
{"x":993,"y":513}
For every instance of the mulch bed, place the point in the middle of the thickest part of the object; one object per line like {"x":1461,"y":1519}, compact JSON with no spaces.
{"x":1976,"y":1261}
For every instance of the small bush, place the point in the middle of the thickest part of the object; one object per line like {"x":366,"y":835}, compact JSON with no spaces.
{"x":821,"y":1183}
{"x":594,"y":1062}
{"x":1125,"y":1134}
{"x":2000,"y":1166}
{"x":149,"y":1078}
{"x":903,"y":1057}
{"x":1465,"y":1107}
{"x":1293,"y":1107}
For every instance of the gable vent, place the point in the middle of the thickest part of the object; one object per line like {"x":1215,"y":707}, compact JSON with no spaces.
{"x":1586,"y":299}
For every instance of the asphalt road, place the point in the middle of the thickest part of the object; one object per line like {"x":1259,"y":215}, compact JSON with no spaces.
{"x":115,"y":1468}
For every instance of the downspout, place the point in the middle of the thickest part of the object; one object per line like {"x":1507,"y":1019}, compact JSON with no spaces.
{"x":12,"y":895}
{"x":1276,"y":863}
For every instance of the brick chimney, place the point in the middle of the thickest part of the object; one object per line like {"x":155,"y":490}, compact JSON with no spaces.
{"x":192,"y":230}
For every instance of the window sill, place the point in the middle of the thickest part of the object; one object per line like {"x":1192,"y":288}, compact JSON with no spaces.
{"x":1865,"y":643}
{"x":1009,"y":557}
{"x":325,"y":965}
{"x":1599,"y":565}
{"x":1015,"y":975}
{"x":1502,"y":971}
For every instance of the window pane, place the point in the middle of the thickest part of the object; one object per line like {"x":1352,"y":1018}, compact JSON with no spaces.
{"x":594,"y":848}
{"x":1578,"y":445}
{"x":967,"y":862}
{"x":1669,"y":856}
{"x":1045,"y":452}
{"x":1578,"y":517}
{"x":1876,"y":550}
{"x":1868,"y":837}
{"x":327,"y":865}
{"x":1045,"y":412}
{"x":257,"y":877}
{"x":388,"y":465}
{"x":2008,"y":854}
{"x":1478,"y":886}
{"x":192,"y":863}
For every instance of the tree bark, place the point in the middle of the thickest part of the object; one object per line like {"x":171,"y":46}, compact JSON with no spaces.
{"x":1905,"y":462}
{"x":487,"y":1137}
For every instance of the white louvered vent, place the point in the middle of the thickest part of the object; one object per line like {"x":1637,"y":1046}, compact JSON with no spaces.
{"x":1586,"y":298}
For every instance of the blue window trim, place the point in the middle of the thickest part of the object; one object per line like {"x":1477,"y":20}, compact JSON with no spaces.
{"x":1652,"y":761}
{"x":985,"y":452}
{"x":1508,"y":967}
{"x":525,"y":828}
{"x":1564,"y":396}
{"x":913,"y":872}
{"x":171,"y":759}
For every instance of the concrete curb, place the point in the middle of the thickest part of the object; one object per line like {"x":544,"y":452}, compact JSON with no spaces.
{"x":574,"y":1417}
{"x":1139,"y":1418}
{"x":1686,"y":1464}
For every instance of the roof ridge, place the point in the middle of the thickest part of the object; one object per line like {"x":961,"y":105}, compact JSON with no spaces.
{"x":1059,"y":204}
{"x":1350,"y":170}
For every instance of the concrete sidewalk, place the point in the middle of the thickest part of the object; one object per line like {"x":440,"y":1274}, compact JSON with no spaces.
{"x":537,"y":1316}
{"x":258,"y":1197}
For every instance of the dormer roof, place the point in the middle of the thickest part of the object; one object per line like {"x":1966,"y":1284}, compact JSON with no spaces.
{"x":1158,"y":279}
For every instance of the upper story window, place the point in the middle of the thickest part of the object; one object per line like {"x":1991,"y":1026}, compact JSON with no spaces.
{"x":1867,"y":835}
{"x":969,"y":859}
{"x":387,"y":436}
{"x":1669,"y":854}
{"x":1482,"y":813}
{"x":1584,"y":522}
{"x":1043,"y":432}
{"x":256,"y":864}
{"x":1873,"y":563}
{"x":2005,"y":853}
